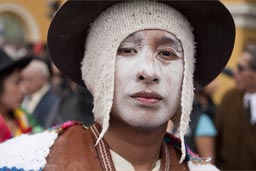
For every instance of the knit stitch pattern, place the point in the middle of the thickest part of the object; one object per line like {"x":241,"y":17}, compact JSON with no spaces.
{"x":26,"y":152}
{"x":104,"y":38}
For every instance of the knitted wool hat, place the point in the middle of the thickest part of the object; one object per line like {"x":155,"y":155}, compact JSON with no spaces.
{"x":102,"y":43}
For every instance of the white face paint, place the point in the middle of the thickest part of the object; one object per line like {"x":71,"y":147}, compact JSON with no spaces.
{"x":148,"y":79}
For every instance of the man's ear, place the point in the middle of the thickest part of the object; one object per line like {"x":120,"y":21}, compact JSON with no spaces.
{"x":176,"y":118}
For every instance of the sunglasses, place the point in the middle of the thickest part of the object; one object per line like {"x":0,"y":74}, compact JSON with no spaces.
{"x":241,"y":68}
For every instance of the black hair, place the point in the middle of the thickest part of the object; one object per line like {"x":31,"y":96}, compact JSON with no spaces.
{"x":250,"y":47}
{"x":4,"y":75}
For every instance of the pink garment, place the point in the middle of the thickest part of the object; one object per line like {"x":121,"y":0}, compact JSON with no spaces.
{"x":5,"y":132}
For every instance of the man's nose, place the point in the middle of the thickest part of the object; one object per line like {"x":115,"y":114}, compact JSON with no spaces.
{"x":146,"y":77}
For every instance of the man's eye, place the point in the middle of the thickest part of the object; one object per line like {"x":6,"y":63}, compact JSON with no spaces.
{"x":127,"y":51}
{"x":167,"y":55}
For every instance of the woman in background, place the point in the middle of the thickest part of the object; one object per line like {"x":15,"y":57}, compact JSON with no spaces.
{"x":13,"y":120}
{"x":201,"y":134}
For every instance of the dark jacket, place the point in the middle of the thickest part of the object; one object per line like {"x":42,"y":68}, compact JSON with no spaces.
{"x":236,"y":139}
{"x":74,"y":105}
{"x":45,"y":107}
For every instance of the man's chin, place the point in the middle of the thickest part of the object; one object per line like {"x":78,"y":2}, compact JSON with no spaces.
{"x":144,"y":127}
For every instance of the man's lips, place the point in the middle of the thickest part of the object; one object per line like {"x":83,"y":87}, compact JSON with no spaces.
{"x":147,"y":98}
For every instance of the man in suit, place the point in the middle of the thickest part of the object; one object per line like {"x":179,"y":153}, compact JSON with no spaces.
{"x":39,"y":99}
{"x":236,"y":117}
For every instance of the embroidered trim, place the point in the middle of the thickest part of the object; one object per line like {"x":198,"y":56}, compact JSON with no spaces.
{"x":15,"y":169}
{"x":62,"y":127}
{"x":167,"y":157}
{"x":26,"y":152}
{"x":103,"y":151}
{"x":201,"y":160}
{"x":106,"y":159}
{"x":10,"y":169}
{"x":190,"y":155}
{"x":176,"y":143}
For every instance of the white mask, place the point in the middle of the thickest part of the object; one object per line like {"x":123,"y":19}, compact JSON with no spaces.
{"x":148,"y":78}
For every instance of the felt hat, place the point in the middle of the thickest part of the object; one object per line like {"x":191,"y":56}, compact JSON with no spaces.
{"x":7,"y":63}
{"x":214,"y":32}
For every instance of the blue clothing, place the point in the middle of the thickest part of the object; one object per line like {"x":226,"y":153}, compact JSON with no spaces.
{"x":205,"y":127}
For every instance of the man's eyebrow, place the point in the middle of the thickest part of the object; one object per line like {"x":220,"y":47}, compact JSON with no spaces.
{"x":133,"y":38}
{"x":173,"y":42}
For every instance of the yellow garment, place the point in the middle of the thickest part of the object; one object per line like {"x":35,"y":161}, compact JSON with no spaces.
{"x":23,"y":123}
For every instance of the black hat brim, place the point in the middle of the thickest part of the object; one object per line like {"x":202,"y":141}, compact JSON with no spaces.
{"x":17,"y":64}
{"x":213,"y":25}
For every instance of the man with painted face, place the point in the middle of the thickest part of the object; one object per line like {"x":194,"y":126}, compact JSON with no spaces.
{"x":138,"y":61}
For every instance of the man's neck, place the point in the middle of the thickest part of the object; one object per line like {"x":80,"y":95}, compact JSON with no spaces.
{"x":140,"y":148}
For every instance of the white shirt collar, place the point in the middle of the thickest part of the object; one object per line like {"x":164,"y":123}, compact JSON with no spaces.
{"x":251,"y":97}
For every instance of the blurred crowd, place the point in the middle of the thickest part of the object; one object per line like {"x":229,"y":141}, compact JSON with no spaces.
{"x":34,"y":96}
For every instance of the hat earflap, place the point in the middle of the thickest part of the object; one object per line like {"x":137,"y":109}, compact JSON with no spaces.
{"x":187,"y":97}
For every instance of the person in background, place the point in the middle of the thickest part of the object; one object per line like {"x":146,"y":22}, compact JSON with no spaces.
{"x":60,"y":84}
{"x":39,"y":99}
{"x":201,"y":133}
{"x":236,"y":117}
{"x":13,"y":120}
{"x":76,"y":105}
